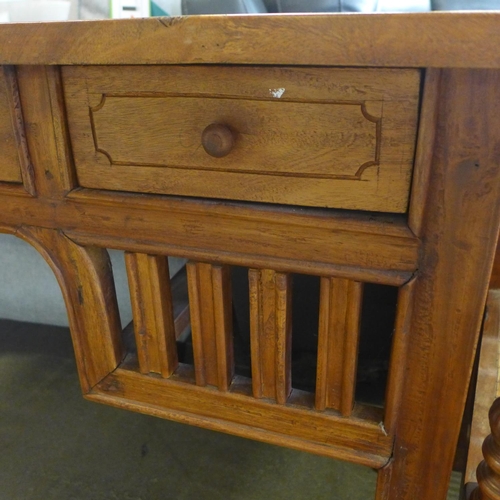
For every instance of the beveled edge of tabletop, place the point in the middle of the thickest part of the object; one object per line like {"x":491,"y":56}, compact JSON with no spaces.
{"x":433,"y":39}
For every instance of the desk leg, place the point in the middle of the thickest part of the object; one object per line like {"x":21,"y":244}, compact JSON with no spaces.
{"x":458,"y":244}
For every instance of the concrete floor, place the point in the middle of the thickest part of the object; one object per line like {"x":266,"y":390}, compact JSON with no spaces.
{"x":57,"y":446}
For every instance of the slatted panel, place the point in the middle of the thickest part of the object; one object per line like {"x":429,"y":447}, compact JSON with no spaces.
{"x":270,"y":332}
{"x":151,"y":299}
{"x":211,"y":323}
{"x":292,"y":421}
{"x":340,"y":308}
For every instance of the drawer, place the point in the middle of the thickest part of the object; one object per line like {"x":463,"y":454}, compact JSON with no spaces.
{"x":10,"y":168}
{"x":324,"y":137}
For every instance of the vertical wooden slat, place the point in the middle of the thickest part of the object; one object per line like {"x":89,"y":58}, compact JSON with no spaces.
{"x":221,"y":283}
{"x":283,"y":337}
{"x":270,"y":331}
{"x":151,"y":299}
{"x":338,"y":338}
{"x":324,"y":391}
{"x":211,"y":323}
{"x":397,"y":366}
{"x":256,"y":319}
{"x":353,"y":317}
{"x":197,"y":326}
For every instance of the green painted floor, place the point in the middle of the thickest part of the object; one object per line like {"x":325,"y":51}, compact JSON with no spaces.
{"x":57,"y":446}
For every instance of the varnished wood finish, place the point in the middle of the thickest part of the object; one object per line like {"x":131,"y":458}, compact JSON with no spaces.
{"x":338,"y":338}
{"x":18,"y":130}
{"x":495,"y":273}
{"x":44,"y":118}
{"x":454,"y":269}
{"x":151,"y":300}
{"x":83,"y":273}
{"x":488,"y":472}
{"x":339,"y":138}
{"x":425,"y":150}
{"x":271,"y":334}
{"x":67,"y":109}
{"x":211,"y":323}
{"x":10,"y":168}
{"x":358,"y":439}
{"x":459,"y":40}
{"x":395,"y":384}
{"x":364,"y":247}
{"x":217,"y":140}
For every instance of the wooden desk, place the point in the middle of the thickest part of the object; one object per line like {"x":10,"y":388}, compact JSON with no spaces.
{"x":390,"y":121}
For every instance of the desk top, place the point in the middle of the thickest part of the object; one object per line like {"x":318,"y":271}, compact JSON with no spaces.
{"x":434,"y":39}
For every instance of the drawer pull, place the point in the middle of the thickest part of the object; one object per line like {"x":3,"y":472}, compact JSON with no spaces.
{"x":217,"y":140}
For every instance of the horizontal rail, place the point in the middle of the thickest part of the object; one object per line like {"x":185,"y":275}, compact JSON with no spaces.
{"x":363,"y":247}
{"x":351,"y":439}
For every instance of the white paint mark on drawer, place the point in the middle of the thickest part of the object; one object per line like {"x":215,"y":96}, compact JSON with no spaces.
{"x":277,"y":92}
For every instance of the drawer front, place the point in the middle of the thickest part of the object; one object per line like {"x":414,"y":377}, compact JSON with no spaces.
{"x":340,"y":138}
{"x":10,"y":168}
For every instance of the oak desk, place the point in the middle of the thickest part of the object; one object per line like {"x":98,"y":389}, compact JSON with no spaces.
{"x":356,"y":148}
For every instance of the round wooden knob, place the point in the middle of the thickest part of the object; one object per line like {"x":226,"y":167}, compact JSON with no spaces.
{"x":217,"y":140}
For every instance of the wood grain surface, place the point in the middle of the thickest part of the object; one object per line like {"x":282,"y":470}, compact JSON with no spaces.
{"x":10,"y":168}
{"x":288,"y":87}
{"x":355,"y":439}
{"x":341,"y":138}
{"x":338,"y":339}
{"x":425,"y":150}
{"x":450,"y":291}
{"x":495,"y":273}
{"x":86,"y":281}
{"x":152,"y":306}
{"x":211,"y":323}
{"x":45,"y":121}
{"x":366,"y":247}
{"x":398,"y":361}
{"x":271,"y":334}
{"x":434,"y":39}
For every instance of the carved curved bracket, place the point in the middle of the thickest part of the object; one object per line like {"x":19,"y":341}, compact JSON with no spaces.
{"x":86,"y":282}
{"x":93,"y":110}
{"x":378,"y":134}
